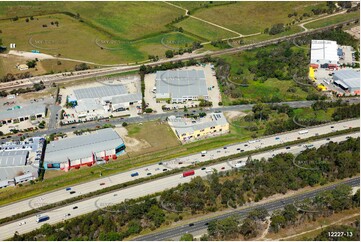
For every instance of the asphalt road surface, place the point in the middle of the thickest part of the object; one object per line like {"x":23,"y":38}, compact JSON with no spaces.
{"x":151,"y":117}
{"x":175,"y":233}
{"x":103,"y":201}
{"x":119,"y":178}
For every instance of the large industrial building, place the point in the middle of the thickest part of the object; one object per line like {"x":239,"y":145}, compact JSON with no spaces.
{"x":83,"y":150}
{"x":98,"y":101}
{"x":179,"y":86}
{"x":18,"y":113}
{"x":190,"y":129}
{"x":20,"y":161}
{"x":324,"y":54}
{"x":348,"y":80}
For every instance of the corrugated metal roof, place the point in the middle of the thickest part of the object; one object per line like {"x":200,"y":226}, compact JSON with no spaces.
{"x":100,"y":92}
{"x":181,"y":83}
{"x":82,"y":146}
{"x":88,"y":104}
{"x":350,"y":78}
{"x":7,"y":173}
{"x":13,"y":158}
{"x":30,"y":110}
{"x":126,"y":98}
{"x":189,"y":127}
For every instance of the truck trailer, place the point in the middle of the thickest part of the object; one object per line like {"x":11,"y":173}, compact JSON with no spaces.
{"x":42,"y":218}
{"x":188,"y":173}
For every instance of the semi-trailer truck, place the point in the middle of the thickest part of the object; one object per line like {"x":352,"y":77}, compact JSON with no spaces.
{"x":42,"y":218}
{"x":188,"y":173}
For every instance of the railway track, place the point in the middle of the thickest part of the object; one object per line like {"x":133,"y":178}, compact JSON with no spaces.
{"x":59,"y":78}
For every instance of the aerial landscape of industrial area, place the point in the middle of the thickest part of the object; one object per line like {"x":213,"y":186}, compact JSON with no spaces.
{"x":180,"y":120}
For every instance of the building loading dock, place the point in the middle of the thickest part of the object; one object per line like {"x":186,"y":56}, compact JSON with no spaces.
{"x":348,"y":80}
{"x":83,"y":150}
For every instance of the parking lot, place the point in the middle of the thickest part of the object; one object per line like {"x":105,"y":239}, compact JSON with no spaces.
{"x":211,"y":82}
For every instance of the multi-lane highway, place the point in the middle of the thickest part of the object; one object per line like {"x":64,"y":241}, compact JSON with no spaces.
{"x":61,"y":195}
{"x":176,"y":232}
{"x":103,"y":201}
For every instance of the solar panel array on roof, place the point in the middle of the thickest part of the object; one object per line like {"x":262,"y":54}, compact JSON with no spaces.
{"x":13,"y":158}
{"x":99,"y":92}
{"x":181,"y":84}
{"x":82,"y":146}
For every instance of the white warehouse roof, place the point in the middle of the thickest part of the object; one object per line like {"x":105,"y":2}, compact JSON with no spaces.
{"x":82,"y":146}
{"x":181,"y":83}
{"x":324,"y":51}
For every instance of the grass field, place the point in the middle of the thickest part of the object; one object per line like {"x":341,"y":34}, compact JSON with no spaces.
{"x":157,"y":45}
{"x":257,"y":90}
{"x":309,"y":114}
{"x":254,"y":17}
{"x":196,"y":5}
{"x":204,"y":30}
{"x":127,"y":20}
{"x":72,"y":39}
{"x":332,"y":20}
{"x":8,"y":65}
{"x":150,"y":133}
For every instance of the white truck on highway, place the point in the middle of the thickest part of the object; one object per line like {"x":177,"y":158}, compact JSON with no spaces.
{"x":238,"y":165}
{"x":303,"y":132}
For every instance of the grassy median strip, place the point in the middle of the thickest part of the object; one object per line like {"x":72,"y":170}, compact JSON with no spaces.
{"x":169,"y":173}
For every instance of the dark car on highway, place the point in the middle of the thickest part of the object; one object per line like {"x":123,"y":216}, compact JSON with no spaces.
{"x":75,"y":207}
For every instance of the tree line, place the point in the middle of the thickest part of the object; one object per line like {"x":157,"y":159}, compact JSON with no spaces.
{"x":324,"y":204}
{"x":286,"y":119}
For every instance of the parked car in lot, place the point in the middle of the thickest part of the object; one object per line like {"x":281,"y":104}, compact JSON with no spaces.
{"x":203,"y":168}
{"x":223,"y":168}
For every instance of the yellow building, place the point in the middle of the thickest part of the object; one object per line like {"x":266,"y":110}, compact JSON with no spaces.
{"x":190,"y":129}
